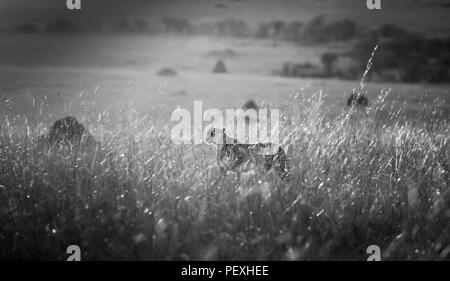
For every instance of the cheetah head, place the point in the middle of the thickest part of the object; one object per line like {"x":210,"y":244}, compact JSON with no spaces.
{"x":215,"y":136}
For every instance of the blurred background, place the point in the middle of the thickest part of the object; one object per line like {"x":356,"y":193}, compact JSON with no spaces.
{"x":224,"y":52}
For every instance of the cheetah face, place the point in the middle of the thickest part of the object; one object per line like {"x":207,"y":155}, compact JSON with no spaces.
{"x":214,"y":136}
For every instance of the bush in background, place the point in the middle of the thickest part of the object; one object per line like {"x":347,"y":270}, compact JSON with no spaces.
{"x":61,"y":25}
{"x":28,"y":27}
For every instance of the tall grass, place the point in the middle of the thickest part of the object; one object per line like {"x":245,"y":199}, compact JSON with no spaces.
{"x":360,"y":178}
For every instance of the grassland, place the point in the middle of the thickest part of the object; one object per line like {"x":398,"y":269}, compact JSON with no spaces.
{"x":359,"y":177}
{"x":356,"y":181}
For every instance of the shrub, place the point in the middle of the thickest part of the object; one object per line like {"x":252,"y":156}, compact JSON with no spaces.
{"x":123,"y":26}
{"x":226,"y":27}
{"x":166,"y":71}
{"x":61,"y":25}
{"x":301,"y":70}
{"x":391,"y":31}
{"x":26,"y":28}
{"x":177,"y":25}
{"x":342,"y":30}
{"x":141,"y":26}
{"x":328,"y":60}
{"x":318,"y":31}
{"x":220,"y":67}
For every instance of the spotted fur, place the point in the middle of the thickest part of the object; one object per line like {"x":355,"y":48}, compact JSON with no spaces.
{"x":232,"y":155}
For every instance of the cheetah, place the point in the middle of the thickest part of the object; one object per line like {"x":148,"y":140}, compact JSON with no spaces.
{"x":358,"y":100}
{"x":232,"y":155}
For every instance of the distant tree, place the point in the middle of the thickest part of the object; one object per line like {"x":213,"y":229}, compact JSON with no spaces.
{"x":220,"y":67}
{"x":61,"y":25}
{"x":95,"y":27}
{"x":434,"y":46}
{"x":362,"y":49}
{"x":328,"y":60}
{"x":342,"y":30}
{"x":392,"y":31}
{"x":263,"y":31}
{"x":141,"y":26}
{"x":286,"y":71}
{"x":278,"y":26}
{"x":26,"y":28}
{"x":167,"y":71}
{"x":177,"y":25}
{"x":319,"y":31}
{"x":232,"y":27}
{"x":293,"y":31}
{"x":313,"y":30}
{"x":436,"y":71}
{"x":385,"y":59}
{"x":122,"y":25}
{"x":412,"y":67}
{"x":415,"y":58}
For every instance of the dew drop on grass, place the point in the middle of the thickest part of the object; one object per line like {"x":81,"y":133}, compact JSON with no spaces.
{"x":445,"y":252}
{"x":321,"y":212}
{"x":161,"y":226}
{"x":292,"y":254}
{"x":140,"y":237}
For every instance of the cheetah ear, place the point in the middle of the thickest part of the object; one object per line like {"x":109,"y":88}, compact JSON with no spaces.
{"x":224,"y":136}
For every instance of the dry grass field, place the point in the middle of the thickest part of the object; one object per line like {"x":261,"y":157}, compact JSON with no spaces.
{"x":358,"y":176}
